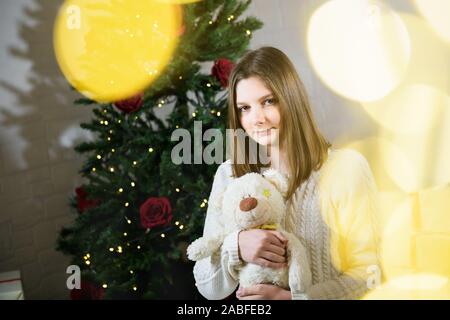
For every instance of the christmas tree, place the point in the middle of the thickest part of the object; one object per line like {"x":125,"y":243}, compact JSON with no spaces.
{"x":138,"y":209}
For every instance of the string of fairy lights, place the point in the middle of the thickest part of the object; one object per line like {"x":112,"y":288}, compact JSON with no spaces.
{"x":119,"y":249}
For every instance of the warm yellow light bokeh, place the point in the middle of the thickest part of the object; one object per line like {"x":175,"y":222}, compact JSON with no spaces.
{"x":397,"y":66}
{"x":414,"y":227}
{"x":410,"y":109}
{"x":437,"y":13}
{"x":397,"y":237}
{"x":417,"y":161}
{"x":178,"y":1}
{"x":359,"y":48}
{"x":110,"y":50}
{"x":429,"y":55}
{"x":413,"y":287}
{"x":435,"y":204}
{"x":346,"y":191}
{"x":371,"y":149}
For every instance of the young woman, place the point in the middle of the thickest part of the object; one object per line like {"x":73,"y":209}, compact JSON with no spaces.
{"x":330,"y":197}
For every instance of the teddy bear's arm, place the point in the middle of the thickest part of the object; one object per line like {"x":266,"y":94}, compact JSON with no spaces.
{"x":204,"y":247}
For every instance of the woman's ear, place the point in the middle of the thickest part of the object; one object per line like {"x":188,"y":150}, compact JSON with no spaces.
{"x":278,"y":180}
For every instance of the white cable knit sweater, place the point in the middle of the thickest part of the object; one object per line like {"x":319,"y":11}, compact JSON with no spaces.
{"x":332,"y":213}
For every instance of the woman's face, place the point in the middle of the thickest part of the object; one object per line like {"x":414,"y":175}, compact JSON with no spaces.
{"x":258,"y":110}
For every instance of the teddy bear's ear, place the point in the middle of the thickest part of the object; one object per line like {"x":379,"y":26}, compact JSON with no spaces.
{"x":278,"y":180}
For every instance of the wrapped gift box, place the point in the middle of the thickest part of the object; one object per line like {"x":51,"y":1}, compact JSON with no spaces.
{"x":11,"y":286}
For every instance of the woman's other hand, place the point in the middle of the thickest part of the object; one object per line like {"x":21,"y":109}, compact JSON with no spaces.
{"x":266,"y":248}
{"x":263,"y":292}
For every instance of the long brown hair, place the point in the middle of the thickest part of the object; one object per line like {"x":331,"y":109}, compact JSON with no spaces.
{"x":305,"y":146}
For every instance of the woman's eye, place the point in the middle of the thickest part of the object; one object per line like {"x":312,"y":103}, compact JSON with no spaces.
{"x":243,"y":108}
{"x":269,"y":102}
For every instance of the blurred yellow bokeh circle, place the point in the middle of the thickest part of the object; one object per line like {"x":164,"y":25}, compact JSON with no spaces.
{"x":419,"y":286}
{"x":112,"y":49}
{"x":437,"y":13}
{"x":420,"y":160}
{"x":359,"y":48}
{"x":179,"y":1}
{"x":412,"y":109}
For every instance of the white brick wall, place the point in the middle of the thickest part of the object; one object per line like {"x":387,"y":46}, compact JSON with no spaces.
{"x":38,"y":174}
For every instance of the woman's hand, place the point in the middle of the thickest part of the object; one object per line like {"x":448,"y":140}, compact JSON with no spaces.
{"x":266,"y":248}
{"x":263,"y":292}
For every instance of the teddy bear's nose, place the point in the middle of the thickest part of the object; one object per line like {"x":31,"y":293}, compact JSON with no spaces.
{"x":248,"y":204}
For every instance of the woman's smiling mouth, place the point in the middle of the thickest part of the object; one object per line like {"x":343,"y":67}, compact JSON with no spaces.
{"x":263,"y":133}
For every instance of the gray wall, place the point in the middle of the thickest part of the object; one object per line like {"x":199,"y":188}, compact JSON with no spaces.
{"x":38,"y":168}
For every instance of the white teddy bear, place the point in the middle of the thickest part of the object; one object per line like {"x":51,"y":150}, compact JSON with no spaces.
{"x":257,"y":201}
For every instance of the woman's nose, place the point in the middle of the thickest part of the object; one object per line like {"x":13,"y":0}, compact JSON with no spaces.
{"x":258,"y":115}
